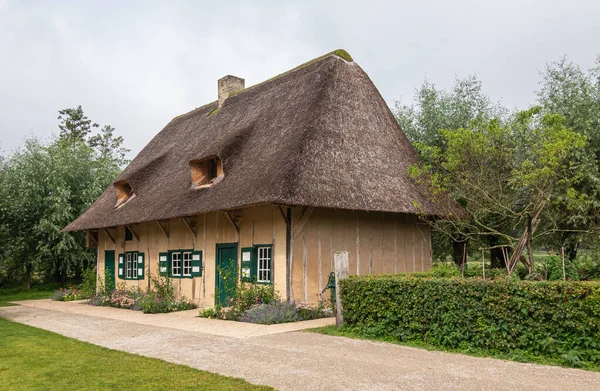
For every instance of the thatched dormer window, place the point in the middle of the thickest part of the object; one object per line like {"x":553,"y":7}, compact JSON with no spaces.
{"x":124,"y":193}
{"x":206,"y":172}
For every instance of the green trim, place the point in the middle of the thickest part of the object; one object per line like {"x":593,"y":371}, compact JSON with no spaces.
{"x":197,"y":264}
{"x":255,"y":263}
{"x":170,"y":260}
{"x":163,"y":264}
{"x":122,"y":266}
{"x":218,"y":247}
{"x":248,"y":265}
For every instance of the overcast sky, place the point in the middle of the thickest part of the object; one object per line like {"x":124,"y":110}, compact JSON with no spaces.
{"x":137,"y":64}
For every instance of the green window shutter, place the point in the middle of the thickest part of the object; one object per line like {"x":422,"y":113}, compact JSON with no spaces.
{"x":140,"y":266}
{"x":254,"y":264}
{"x":196,"y":263}
{"x":163,"y":264}
{"x":247,"y":264}
{"x":121,"y":266}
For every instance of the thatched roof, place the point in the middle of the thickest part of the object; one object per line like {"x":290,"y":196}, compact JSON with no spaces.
{"x":320,"y":135}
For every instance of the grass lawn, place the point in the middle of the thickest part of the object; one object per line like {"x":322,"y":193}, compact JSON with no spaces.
{"x":35,"y":359}
{"x":519,"y":356}
{"x":8,"y":295}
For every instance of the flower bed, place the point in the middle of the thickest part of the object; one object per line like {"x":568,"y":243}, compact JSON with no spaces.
{"x":160,"y":299}
{"x":70,"y":293}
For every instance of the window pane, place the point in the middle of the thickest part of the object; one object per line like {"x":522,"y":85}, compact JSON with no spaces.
{"x":128,"y":265}
{"x":264,"y":263}
{"x":176,"y":265}
{"x":187,"y":264}
{"x":134,"y":265}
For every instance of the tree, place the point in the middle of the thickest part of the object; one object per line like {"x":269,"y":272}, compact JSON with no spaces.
{"x":506,"y":175}
{"x":568,"y":90}
{"x":43,"y":188}
{"x":435,"y":109}
{"x":75,"y":124}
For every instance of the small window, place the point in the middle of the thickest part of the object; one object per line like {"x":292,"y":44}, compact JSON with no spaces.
{"x":176,"y":264}
{"x":181,"y":263}
{"x":263,"y":264}
{"x":131,"y":265}
{"x":206,"y":172}
{"x":124,"y":193}
{"x":128,"y":234}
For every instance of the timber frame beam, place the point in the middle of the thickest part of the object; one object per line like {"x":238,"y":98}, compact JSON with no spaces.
{"x":165,"y":229}
{"x":112,"y":239}
{"x":283,"y":213}
{"x":134,"y":232}
{"x":232,"y":221}
{"x":303,"y":220}
{"x":189,"y":226}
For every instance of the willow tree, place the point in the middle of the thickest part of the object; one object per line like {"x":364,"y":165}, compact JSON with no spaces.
{"x":44,"y":186}
{"x":573,"y":92}
{"x":434,"y":109}
{"x":506,"y":175}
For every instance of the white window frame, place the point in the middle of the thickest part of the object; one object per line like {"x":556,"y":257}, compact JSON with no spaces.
{"x":264,"y":262}
{"x":134,"y":266}
{"x":186,"y":263}
{"x":131,"y":265}
{"x":180,"y":267}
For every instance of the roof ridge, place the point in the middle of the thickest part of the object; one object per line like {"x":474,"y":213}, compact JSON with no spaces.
{"x":341,"y":53}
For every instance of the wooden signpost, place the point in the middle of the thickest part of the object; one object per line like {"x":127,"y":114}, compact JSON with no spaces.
{"x":340,"y":261}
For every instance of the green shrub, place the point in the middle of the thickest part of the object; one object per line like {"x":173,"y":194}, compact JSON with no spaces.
{"x":88,"y":285}
{"x":558,"y":320}
{"x":589,"y":269}
{"x":209,"y":313}
{"x":153,"y":304}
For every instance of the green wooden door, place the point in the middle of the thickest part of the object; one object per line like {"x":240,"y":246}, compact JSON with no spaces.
{"x":226,"y":276}
{"x":109,"y":270}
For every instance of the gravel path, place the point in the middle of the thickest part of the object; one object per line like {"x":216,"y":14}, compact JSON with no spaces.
{"x":296,"y":360}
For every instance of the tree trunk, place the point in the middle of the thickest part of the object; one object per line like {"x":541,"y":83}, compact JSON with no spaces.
{"x":497,"y":259}
{"x":529,"y":245}
{"x":28,"y":271}
{"x":518,"y":250}
{"x":571,"y":250}
{"x":458,"y":252}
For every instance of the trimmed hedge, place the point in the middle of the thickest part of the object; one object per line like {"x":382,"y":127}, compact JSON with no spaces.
{"x":557,"y":320}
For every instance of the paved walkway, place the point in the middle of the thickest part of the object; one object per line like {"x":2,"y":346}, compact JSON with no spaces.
{"x":291,"y":360}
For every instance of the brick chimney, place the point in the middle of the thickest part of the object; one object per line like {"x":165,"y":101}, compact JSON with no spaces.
{"x":229,"y":85}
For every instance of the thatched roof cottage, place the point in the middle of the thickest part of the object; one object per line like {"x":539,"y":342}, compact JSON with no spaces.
{"x":270,"y":180}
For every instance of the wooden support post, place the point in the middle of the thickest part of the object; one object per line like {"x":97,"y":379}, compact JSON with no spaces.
{"x":340,"y":261}
{"x":483,"y":262}
{"x":109,"y":235}
{"x":288,"y":253}
{"x":562,"y":250}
